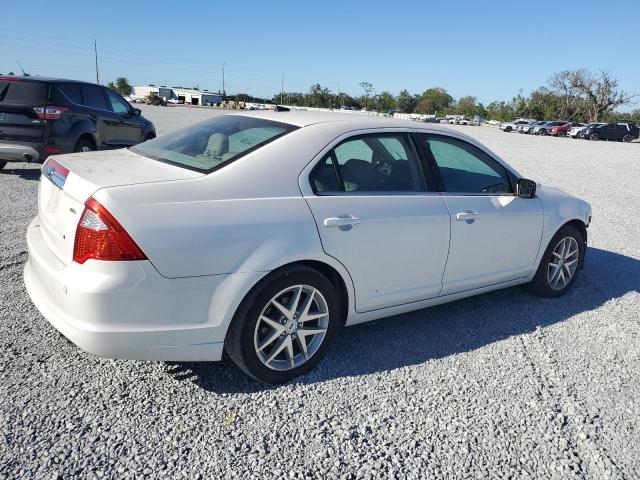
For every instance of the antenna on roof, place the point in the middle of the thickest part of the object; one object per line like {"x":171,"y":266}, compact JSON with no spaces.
{"x":23,"y":72}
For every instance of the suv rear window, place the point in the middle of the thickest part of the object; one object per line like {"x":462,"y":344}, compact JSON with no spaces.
{"x":211,"y":144}
{"x":23,"y":92}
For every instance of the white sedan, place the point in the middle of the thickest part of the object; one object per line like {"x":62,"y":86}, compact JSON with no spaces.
{"x":263,"y":233}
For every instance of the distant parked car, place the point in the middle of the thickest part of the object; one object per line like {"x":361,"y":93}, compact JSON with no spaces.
{"x":510,"y":126}
{"x":44,"y":116}
{"x":578,"y":132}
{"x":545,"y":128}
{"x":561,"y":130}
{"x":528,"y":128}
{"x":621,"y":132}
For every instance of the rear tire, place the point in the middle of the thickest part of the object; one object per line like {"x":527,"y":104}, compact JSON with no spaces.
{"x":627,"y":138}
{"x":84,"y":145}
{"x":251,"y":340}
{"x":549,"y":280}
{"x":594,"y":136}
{"x":542,"y":132}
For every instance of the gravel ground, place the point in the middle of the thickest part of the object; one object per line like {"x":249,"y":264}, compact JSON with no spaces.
{"x":502,"y":385}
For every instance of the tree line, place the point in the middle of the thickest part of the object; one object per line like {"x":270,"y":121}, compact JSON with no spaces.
{"x":577,"y":95}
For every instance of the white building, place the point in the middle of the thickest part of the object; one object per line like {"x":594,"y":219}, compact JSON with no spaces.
{"x":189,"y":96}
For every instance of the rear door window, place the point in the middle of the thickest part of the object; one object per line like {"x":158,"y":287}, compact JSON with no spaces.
{"x":93,"y":97}
{"x":382,"y":162}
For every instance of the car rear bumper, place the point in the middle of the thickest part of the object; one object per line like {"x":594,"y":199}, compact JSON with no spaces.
{"x":124,"y":309}
{"x":21,"y":152}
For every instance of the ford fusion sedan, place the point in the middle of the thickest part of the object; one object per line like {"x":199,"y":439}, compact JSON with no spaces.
{"x":263,"y":233}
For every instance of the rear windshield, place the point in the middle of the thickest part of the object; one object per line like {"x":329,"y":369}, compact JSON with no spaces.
{"x":211,"y":144}
{"x":23,"y":92}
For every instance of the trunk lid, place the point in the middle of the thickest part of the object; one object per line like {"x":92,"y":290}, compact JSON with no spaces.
{"x":69,"y":180}
{"x":18,"y":119}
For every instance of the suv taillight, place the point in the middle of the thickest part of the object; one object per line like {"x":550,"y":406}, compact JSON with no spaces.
{"x":50,"y":112}
{"x":101,"y":237}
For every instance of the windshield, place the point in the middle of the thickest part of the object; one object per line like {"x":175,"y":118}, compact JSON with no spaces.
{"x":211,"y":144}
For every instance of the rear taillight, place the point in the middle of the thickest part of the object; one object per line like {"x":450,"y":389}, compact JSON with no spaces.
{"x":50,"y":112}
{"x":101,"y":237}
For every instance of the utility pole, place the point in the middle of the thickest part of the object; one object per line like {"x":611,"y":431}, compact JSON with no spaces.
{"x":282,"y":88}
{"x":224,"y":63}
{"x":95,"y":50}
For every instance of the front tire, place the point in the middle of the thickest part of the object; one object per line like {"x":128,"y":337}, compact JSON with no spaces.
{"x":627,"y":138}
{"x":594,"y":136}
{"x":542,"y":132}
{"x":507,"y":129}
{"x":285,"y":325}
{"x":560,"y":264}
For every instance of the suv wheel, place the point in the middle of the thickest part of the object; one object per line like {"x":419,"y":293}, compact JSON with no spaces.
{"x":84,"y":146}
{"x":627,"y":138}
{"x":285,"y":325}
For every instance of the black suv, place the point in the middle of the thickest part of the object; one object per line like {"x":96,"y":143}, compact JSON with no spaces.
{"x":44,"y":116}
{"x":622,"y":132}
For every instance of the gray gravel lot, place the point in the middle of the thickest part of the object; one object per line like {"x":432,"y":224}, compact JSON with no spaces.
{"x":503,"y":385}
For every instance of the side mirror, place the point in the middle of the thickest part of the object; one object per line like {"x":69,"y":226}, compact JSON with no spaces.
{"x":137,"y":112}
{"x":526,"y":188}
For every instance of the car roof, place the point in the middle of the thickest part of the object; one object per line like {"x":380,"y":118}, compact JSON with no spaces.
{"x":354,"y":120}
{"x":29,"y":78}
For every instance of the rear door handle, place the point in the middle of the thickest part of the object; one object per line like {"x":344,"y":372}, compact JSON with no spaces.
{"x":341,"y":221}
{"x":468,"y":215}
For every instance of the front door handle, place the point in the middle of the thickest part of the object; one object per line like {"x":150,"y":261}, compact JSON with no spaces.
{"x":467,"y":216}
{"x":341,"y":221}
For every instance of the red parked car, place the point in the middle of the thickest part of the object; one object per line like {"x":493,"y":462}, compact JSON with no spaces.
{"x":561,"y":130}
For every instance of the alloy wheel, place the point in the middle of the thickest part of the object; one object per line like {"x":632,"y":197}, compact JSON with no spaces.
{"x":563,"y":263}
{"x":85,"y":148}
{"x":291,"y":327}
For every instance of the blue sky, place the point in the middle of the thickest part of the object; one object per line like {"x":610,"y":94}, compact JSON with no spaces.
{"x":488,"y":49}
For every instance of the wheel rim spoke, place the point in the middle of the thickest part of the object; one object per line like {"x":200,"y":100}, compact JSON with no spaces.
{"x":269,"y":341}
{"x":284,"y":310}
{"x":278,"y":348}
{"x":273,"y":324}
{"x":310,"y":331}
